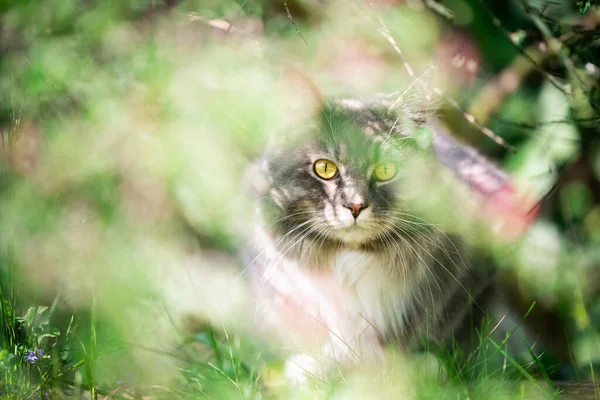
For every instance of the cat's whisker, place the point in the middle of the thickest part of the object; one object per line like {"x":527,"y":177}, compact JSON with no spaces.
{"x":429,"y":237}
{"x":422,"y":222}
{"x":413,"y":250}
{"x":294,"y":239}
{"x":396,"y":212}
{"x":251,"y":263}
{"x":449,"y":273}
{"x":429,"y":270}
{"x":436,"y":242}
{"x":409,"y":244}
{"x":286,"y":217}
{"x":303,"y":235}
{"x":319,"y":241}
{"x":295,"y":228}
{"x":390,"y":240}
{"x":436,"y":228}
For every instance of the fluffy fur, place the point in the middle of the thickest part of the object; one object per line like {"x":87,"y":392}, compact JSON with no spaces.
{"x":338,"y":287}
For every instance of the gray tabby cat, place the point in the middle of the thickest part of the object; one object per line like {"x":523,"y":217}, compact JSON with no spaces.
{"x":341,"y":264}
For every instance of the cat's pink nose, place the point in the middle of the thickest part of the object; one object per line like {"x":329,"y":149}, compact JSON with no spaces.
{"x":355,"y":208}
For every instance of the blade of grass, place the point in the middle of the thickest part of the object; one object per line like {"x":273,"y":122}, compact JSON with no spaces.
{"x":215,"y":345}
{"x":516,"y":364}
{"x":90,"y":366}
{"x":596,"y":387}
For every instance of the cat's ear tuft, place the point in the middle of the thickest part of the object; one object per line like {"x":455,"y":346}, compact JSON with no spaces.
{"x":304,"y":94}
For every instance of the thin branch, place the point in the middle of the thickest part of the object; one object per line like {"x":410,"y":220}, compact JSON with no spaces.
{"x":524,"y":125}
{"x":521,"y":51}
{"x":439,"y":9}
{"x":385,"y":32}
{"x":555,"y":45}
{"x":469,"y":117}
{"x":289,"y":15}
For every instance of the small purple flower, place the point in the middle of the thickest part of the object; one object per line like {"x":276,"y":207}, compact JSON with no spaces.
{"x":46,"y":396}
{"x":31,"y":357}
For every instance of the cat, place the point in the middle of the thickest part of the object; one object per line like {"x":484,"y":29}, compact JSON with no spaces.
{"x":341,"y":264}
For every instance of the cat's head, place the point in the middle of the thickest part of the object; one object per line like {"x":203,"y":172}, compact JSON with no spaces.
{"x":354,"y":173}
{"x":338,"y":177}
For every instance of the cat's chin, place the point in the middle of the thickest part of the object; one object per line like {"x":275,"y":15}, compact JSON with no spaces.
{"x":353,"y":235}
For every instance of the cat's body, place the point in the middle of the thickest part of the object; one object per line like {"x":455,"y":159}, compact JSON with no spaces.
{"x":340,"y":264}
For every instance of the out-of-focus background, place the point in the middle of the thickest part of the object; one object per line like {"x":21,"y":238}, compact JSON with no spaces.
{"x":126,"y":128}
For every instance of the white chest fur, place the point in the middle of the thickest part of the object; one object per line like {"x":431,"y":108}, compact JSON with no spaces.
{"x":381,"y":291}
{"x":351,"y":296}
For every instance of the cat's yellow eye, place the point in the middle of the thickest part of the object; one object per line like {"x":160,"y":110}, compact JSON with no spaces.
{"x":385,"y":171}
{"x":325,"y":169}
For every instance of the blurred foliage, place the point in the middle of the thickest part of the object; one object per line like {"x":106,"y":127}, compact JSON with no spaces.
{"x":125,"y":131}
{"x":584,"y":5}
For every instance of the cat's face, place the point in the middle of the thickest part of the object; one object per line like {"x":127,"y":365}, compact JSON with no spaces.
{"x":341,"y":180}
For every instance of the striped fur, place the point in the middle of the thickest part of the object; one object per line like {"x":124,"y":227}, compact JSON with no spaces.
{"x":390,"y":278}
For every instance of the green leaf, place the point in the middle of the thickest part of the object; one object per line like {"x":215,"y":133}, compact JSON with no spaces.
{"x":51,"y":333}
{"x":33,"y":313}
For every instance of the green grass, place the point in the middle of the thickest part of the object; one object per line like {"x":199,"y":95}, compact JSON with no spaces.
{"x":218,"y":364}
{"x":126,"y":129}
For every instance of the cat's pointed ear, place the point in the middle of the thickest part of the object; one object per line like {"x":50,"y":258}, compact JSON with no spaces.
{"x":305,"y":96}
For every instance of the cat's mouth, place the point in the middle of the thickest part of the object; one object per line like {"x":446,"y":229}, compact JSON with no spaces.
{"x":346,"y":228}
{"x":357,"y":232}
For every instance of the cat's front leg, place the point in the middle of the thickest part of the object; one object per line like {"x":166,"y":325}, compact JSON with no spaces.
{"x":319,"y":319}
{"x":351,"y":342}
